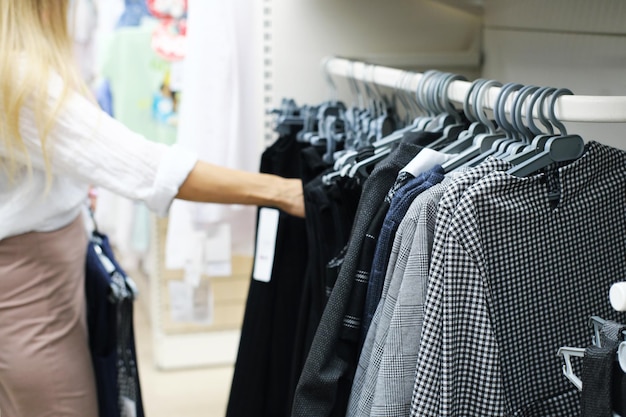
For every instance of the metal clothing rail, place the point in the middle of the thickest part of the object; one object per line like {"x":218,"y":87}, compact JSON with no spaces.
{"x":569,"y":108}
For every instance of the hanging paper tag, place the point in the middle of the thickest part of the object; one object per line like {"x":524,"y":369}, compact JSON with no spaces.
{"x":202,"y":304}
{"x":195,"y":260}
{"x":217,"y":251}
{"x":181,"y":296}
{"x":265,"y":244}
{"x":191,"y":304}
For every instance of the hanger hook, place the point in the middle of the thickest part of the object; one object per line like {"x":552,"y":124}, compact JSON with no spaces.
{"x":500,"y":107}
{"x":329,"y":79}
{"x":469,"y":99}
{"x":374,"y":85}
{"x":540,"y":96}
{"x":382,"y":102}
{"x":479,"y":103}
{"x":354,"y":90}
{"x":443,"y":95}
{"x":398,"y":93}
{"x":409,"y":80}
{"x":406,"y":89}
{"x":420,"y":91}
{"x":516,"y":111}
{"x":551,"y":109}
{"x":432,"y":96}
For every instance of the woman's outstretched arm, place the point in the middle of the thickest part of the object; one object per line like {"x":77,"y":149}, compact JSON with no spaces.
{"x":216,"y":184}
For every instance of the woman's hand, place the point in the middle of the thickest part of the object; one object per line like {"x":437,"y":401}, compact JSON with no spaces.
{"x":293,"y":197}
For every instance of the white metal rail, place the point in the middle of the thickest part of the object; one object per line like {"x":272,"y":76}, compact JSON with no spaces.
{"x":568,"y":108}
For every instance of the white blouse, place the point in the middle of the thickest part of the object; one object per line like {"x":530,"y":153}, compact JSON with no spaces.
{"x":86,"y":147}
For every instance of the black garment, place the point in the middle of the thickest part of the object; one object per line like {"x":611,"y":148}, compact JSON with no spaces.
{"x":260,"y":385}
{"x":330,"y":212}
{"x":352,"y":321}
{"x":326,"y":380}
{"x":111,"y":331}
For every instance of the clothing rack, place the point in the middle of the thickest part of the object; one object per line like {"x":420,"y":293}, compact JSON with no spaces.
{"x":569,"y":108}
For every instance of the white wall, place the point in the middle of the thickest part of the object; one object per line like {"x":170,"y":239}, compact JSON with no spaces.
{"x":299,"y":34}
{"x":577,"y":44}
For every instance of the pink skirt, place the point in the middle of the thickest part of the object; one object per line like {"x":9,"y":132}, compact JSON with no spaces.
{"x":45,"y":364}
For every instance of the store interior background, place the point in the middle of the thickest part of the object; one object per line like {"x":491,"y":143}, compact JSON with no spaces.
{"x":241,"y":58}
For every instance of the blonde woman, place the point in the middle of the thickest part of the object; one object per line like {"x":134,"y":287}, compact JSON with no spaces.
{"x":54,"y":142}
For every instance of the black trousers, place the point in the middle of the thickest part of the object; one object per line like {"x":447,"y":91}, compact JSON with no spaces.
{"x":260,"y":385}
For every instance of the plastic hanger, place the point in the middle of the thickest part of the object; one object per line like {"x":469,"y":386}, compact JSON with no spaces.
{"x":361,"y":168}
{"x":453,"y":124}
{"x":419,"y":122}
{"x":481,"y":141}
{"x":385,"y":123}
{"x":541,"y":137}
{"x":557,"y":149}
{"x":519,"y":131}
{"x":346,"y":161}
{"x":288,"y":115}
{"x":444,"y":118}
{"x":466,"y":137}
{"x":568,"y":370}
{"x":509,"y":134}
{"x":502,"y":121}
{"x":570,"y":352}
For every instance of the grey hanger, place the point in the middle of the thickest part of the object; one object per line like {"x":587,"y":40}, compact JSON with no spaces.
{"x":419,"y":121}
{"x":466,"y":137}
{"x":481,"y":141}
{"x":491,"y":146}
{"x":557,"y":149}
{"x":360,"y":168}
{"x":499,"y":146}
{"x":540,"y":139}
{"x":443,"y":117}
{"x":523,"y":133}
{"x":453,"y":124}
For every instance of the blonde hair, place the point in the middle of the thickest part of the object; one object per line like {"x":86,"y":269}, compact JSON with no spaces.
{"x":36,"y":30}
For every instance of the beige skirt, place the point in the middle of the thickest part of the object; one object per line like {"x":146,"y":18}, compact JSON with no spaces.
{"x":45,"y":364}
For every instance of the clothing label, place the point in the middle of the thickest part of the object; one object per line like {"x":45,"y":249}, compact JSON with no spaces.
{"x":265,"y":244}
{"x":425,"y":160}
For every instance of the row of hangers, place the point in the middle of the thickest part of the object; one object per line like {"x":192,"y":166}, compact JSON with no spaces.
{"x":376,"y":122}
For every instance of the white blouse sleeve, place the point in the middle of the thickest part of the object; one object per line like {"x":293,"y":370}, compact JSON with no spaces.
{"x":88,"y":145}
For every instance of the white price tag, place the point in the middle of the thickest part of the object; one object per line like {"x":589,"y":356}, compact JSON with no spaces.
{"x":265,"y":244}
{"x":189,"y":304}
